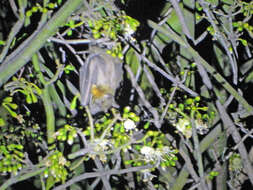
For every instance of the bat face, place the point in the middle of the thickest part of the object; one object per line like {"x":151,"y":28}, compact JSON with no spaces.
{"x":99,"y":79}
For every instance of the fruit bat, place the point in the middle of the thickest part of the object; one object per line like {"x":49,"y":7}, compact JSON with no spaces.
{"x":100,"y":76}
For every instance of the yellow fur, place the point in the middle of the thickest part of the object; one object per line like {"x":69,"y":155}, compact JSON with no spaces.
{"x":99,"y":91}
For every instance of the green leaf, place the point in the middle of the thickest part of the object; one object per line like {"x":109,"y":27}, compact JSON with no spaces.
{"x":146,"y":126}
{"x":28,"y":99}
{"x":13,"y":114}
{"x":29,"y":13}
{"x":50,"y":182}
{"x":8,"y":99}
{"x":13,"y":106}
{"x":2,"y":122}
{"x":73,"y":103}
{"x":249,"y":78}
{"x":244,"y":42}
{"x":51,"y":5}
{"x":2,"y":42}
{"x":174,"y":22}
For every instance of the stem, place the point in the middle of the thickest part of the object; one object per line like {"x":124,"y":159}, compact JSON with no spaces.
{"x":36,"y":66}
{"x":108,"y":128}
{"x":49,"y":110}
{"x":197,"y":149}
{"x":91,"y":123}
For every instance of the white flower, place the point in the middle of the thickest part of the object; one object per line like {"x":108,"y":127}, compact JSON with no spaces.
{"x":158,"y":154}
{"x":201,"y":127}
{"x":104,"y":144}
{"x":183,"y":125}
{"x":101,"y":145}
{"x":128,"y":30}
{"x":148,"y":152}
{"x":129,"y":124}
{"x":147,"y":176}
{"x":166,"y":149}
{"x":62,"y":161}
{"x":70,"y":141}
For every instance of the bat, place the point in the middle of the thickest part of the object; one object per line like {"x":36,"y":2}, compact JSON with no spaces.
{"x":100,"y":76}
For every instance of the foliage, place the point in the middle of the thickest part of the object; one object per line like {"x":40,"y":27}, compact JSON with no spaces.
{"x":12,"y":158}
{"x":183,"y":111}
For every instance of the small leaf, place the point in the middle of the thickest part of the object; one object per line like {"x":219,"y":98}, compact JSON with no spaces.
{"x":244,"y":42}
{"x":50,"y":182}
{"x":73,"y":103}
{"x":29,"y":13}
{"x":146,"y":126}
{"x":69,"y":33}
{"x":51,"y":5}
{"x":13,"y":114}
{"x":34,"y":98}
{"x":2,"y":122}
{"x":28,"y":99}
{"x":13,"y":106}
{"x":2,"y":42}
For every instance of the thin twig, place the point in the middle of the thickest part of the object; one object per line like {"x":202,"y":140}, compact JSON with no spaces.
{"x":142,"y":96}
{"x":169,"y":77}
{"x":90,"y":122}
{"x":101,"y":169}
{"x":188,"y":163}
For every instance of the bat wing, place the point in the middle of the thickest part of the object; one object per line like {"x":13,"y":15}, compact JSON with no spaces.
{"x":88,"y":77}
